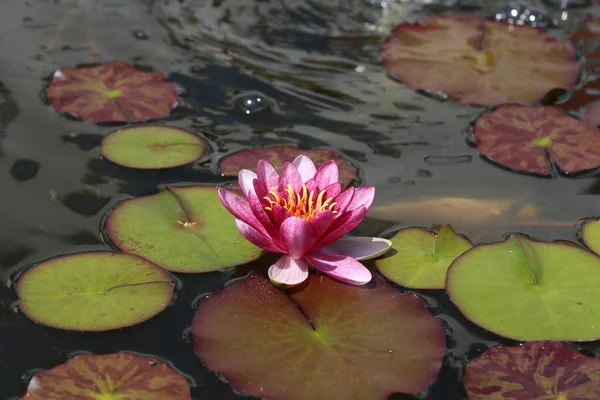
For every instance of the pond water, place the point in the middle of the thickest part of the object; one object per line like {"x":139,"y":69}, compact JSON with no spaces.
{"x":251,"y":73}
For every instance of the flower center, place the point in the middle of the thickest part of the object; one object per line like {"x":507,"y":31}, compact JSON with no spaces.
{"x":304,"y":204}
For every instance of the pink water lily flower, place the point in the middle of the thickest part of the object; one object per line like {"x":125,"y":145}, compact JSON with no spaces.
{"x":303,"y":214}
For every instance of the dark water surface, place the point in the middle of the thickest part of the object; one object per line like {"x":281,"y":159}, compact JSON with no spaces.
{"x":314,"y":65}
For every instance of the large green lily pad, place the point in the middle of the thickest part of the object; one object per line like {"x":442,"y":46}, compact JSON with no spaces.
{"x":590,"y":233}
{"x":183,"y":229}
{"x":537,"y":370}
{"x":94,"y":291}
{"x":420,"y":258}
{"x":528,"y":290}
{"x":109,"y":377}
{"x":327,"y":340}
{"x":152,"y":147}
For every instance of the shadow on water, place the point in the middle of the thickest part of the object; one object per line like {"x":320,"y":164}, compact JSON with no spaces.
{"x":280,"y":72}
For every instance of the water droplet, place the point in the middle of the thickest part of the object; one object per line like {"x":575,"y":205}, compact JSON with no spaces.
{"x":520,"y":14}
{"x":24,"y":170}
{"x":252,"y":102}
{"x":445,"y":160}
{"x":140,"y":34}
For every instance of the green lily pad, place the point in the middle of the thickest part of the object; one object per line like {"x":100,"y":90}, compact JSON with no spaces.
{"x":590,"y":233}
{"x":420,"y":258}
{"x":152,"y":147}
{"x":536,"y":370}
{"x":94,"y":291}
{"x":528,"y":290}
{"x":183,"y":229}
{"x":327,"y":340}
{"x":109,"y":376}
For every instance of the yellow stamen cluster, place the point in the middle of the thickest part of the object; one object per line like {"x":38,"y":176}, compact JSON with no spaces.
{"x":304,"y":204}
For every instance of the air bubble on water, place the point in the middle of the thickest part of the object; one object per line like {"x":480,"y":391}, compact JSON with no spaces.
{"x":140,"y":34}
{"x":520,"y":14}
{"x":252,"y":102}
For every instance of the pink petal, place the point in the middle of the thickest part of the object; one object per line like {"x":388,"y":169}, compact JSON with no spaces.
{"x":327,"y":174}
{"x":320,"y":222}
{"x":258,"y":209}
{"x":363,"y":196}
{"x":343,"y":268}
{"x":246,"y":180}
{"x":296,"y":236}
{"x":239,"y":208}
{"x":359,"y":248}
{"x":278,"y":214}
{"x":289,"y":176}
{"x":306,"y":168}
{"x":333,"y":190}
{"x":267,"y":174}
{"x":288,"y":271}
{"x":344,"y":199}
{"x":257,"y":238}
{"x":340,"y":227}
{"x":311,"y":185}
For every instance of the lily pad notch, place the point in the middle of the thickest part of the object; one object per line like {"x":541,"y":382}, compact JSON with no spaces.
{"x":152,"y":147}
{"x":94,"y":291}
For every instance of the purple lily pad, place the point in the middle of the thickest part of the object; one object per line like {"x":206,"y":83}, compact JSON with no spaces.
{"x":475,"y":61}
{"x":327,"y":340}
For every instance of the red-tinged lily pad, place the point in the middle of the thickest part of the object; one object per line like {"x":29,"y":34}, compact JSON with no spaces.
{"x":531,"y":139}
{"x":420,"y":258}
{"x":592,"y":113}
{"x":94,"y":291}
{"x":528,"y":290}
{"x":537,"y":370}
{"x":113,"y":92}
{"x":327,"y":340}
{"x":277,"y":155}
{"x":183,"y":229}
{"x":109,"y":376}
{"x":475,"y":61}
{"x":152,"y":147}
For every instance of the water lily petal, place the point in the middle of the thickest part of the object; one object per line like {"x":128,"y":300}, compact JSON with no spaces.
{"x":363,"y":196}
{"x":240,"y":209}
{"x":288,"y":271}
{"x":320,"y":222}
{"x":306,"y":168}
{"x":340,"y":267}
{"x":257,"y":238}
{"x":258,"y":209}
{"x":359,"y":248}
{"x":333,"y":190}
{"x":267,"y":174}
{"x":344,"y":199}
{"x":278,"y":214}
{"x":340,"y":227}
{"x":246,"y":180}
{"x":326,"y":174}
{"x":311,"y":185}
{"x":296,"y":236}
{"x":289,"y":176}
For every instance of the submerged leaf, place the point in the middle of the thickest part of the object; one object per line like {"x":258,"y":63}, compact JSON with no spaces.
{"x":420,"y":258}
{"x":112,"y":92}
{"x":530,"y":139}
{"x":475,"y":61}
{"x":277,"y":155}
{"x":109,"y":376}
{"x":536,"y":370}
{"x":94,"y":291}
{"x":327,"y":340}
{"x":152,"y":147}
{"x":183,"y":229}
{"x":528,"y":290}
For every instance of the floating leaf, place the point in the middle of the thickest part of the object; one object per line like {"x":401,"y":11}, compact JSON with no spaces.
{"x":113,"y":92}
{"x":109,"y":376}
{"x":528,"y":290}
{"x":277,"y":155}
{"x":183,"y":229}
{"x":475,"y":61}
{"x":530,"y":139}
{"x":94,"y":291}
{"x":152,"y":147}
{"x":420,"y":258}
{"x":327,"y":340}
{"x":536,"y":370}
{"x":592,"y":113}
{"x":590,"y":233}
